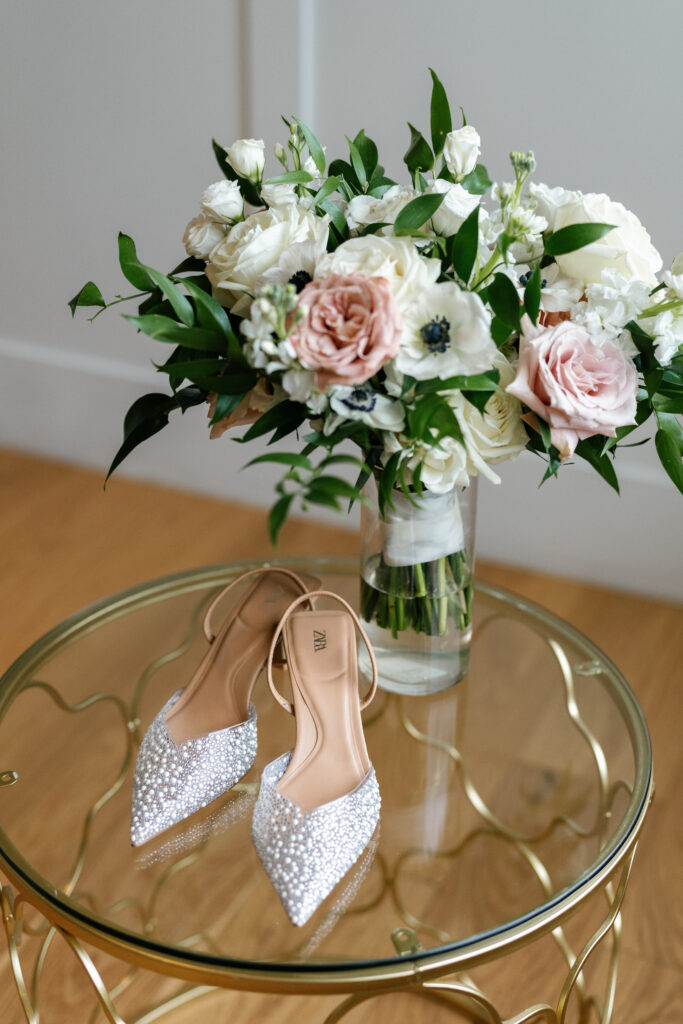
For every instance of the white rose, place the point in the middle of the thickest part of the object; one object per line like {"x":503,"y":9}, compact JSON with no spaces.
{"x":446,"y":333}
{"x":370,"y":210}
{"x":253,"y":246}
{"x":461,"y":150}
{"x":496,"y":434}
{"x":279,"y":195}
{"x":627,"y":248}
{"x":558,"y":293}
{"x":444,"y":464}
{"x":456,"y":207}
{"x":223,"y":202}
{"x":247,"y":157}
{"x":395,"y":259}
{"x":201,"y":236}
{"x":549,"y":201}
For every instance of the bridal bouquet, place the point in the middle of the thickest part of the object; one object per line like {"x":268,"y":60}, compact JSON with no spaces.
{"x":438,"y":332}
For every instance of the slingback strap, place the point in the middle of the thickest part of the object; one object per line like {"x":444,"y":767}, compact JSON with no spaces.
{"x":276,"y":639}
{"x":208,"y":632}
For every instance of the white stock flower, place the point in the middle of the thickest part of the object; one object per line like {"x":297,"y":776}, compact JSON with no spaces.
{"x":677,"y":265}
{"x":446,"y":333}
{"x":525,"y":226}
{"x":610,"y":305}
{"x":444,"y":464}
{"x":674,"y":282}
{"x":223,"y":202}
{"x":461,"y":150}
{"x":627,"y":248}
{"x":254,"y":246}
{"x":456,"y":207}
{"x":247,"y":157}
{"x":364,"y":210}
{"x":395,"y":259}
{"x":202,"y":235}
{"x":667,"y":330}
{"x":362,"y":402}
{"x":279,"y":195}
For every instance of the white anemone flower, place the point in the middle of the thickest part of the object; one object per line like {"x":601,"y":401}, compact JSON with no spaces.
{"x":362,"y":402}
{"x":446,"y":333}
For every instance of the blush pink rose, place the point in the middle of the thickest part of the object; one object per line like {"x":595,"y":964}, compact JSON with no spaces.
{"x":579,"y":388}
{"x":351,"y":328}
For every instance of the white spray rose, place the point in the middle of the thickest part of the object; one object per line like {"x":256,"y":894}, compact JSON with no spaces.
{"x":549,"y":201}
{"x":371,"y":210}
{"x":247,"y":157}
{"x":498,"y":433}
{"x":202,"y":234}
{"x":279,"y":195}
{"x":223,"y":202}
{"x":456,"y":207}
{"x":254,"y":246}
{"x":461,"y":150}
{"x":395,"y":259}
{"x":627,"y":249}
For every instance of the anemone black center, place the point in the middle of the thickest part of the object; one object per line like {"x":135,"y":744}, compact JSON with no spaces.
{"x":436,"y":334}
{"x":360,"y":399}
{"x":300,"y":279}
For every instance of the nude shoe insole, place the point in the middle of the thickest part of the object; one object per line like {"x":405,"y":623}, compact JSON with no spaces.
{"x":329,"y":757}
{"x":218,"y":694}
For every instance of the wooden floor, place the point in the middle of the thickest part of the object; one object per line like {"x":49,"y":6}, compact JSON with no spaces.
{"x":64,"y":543}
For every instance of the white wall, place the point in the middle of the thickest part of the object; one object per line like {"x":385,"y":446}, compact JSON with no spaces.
{"x":108,"y":112}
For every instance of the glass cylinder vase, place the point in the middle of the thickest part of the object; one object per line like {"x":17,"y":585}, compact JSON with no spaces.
{"x":416,"y":587}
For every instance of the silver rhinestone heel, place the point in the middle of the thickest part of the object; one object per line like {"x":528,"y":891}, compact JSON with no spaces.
{"x":318,"y":805}
{"x":171,"y":782}
{"x":204,"y":738}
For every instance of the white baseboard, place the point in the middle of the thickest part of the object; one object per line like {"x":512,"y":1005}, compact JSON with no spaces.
{"x":64,"y":405}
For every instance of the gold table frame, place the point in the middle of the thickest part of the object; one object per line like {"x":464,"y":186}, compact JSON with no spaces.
{"x":439,"y":974}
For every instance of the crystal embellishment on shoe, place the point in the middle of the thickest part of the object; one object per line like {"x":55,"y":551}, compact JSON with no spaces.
{"x":306,"y":853}
{"x":173,"y":780}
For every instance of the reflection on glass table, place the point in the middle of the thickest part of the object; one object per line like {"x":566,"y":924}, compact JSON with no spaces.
{"x":507,"y":801}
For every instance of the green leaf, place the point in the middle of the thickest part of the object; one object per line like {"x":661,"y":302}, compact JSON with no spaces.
{"x":669,"y":445}
{"x":379,"y":185}
{"x":477,"y":182}
{"x":225,"y":404}
{"x":479,"y":399}
{"x":146,"y":417}
{"x":89,"y":295}
{"x":285,"y":413}
{"x":341,"y":169}
{"x":357,"y":162}
{"x":326,"y":189}
{"x":228,"y":383}
{"x":504,"y":301}
{"x":532,"y":295}
{"x":314,"y":147}
{"x":290,"y":178}
{"x":189,"y":266}
{"x":440,"y":115}
{"x":333,"y":460}
{"x":336,"y":215}
{"x":285,"y":459}
{"x":417,"y":212}
{"x":602,"y":463}
{"x":322,"y":498}
{"x":367,"y":150}
{"x":333,"y":486}
{"x":190,"y":368}
{"x":464,"y":246}
{"x":418,"y":156}
{"x":210,"y":313}
{"x":164,"y":329}
{"x":132,"y":269}
{"x":500,"y":332}
{"x":277,"y":516}
{"x":181,"y":306}
{"x":222,"y":159}
{"x":386,"y":482}
{"x":473,"y":382}
{"x":575,"y":236}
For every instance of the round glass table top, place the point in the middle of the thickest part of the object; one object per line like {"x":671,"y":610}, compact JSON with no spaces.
{"x":505,"y":800}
